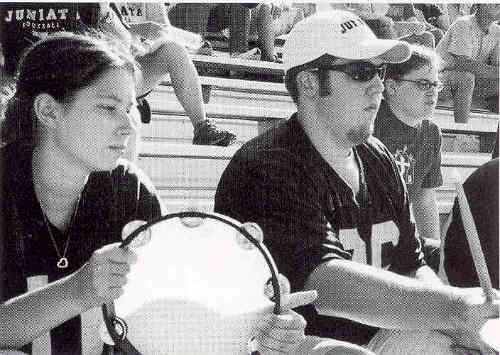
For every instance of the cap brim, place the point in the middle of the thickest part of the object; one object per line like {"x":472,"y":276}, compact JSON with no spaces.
{"x":388,"y":50}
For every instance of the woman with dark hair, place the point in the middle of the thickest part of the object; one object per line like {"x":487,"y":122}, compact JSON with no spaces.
{"x":65,"y":192}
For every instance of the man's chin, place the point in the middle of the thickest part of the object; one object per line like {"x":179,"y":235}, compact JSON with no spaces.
{"x":359,"y":136}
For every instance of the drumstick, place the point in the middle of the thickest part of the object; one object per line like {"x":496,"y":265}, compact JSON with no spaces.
{"x":473,"y":239}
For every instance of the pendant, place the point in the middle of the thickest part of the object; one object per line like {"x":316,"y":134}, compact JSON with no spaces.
{"x":62,"y":263}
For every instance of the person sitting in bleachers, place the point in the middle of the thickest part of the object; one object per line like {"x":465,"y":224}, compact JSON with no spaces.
{"x":456,"y":10}
{"x":394,"y":21}
{"x":470,"y":54}
{"x":148,"y":21}
{"x":405,"y":16}
{"x":167,"y":57}
{"x":404,"y":124}
{"x":330,"y":199}
{"x":238,"y":17}
{"x":73,"y":114}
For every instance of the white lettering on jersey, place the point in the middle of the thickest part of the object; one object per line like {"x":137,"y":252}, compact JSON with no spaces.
{"x":384,"y":237}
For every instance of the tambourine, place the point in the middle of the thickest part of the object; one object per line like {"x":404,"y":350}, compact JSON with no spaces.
{"x":198,"y":287}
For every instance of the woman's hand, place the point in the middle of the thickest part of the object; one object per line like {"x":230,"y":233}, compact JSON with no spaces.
{"x":102,"y":278}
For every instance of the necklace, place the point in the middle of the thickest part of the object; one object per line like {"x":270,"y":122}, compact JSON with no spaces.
{"x":63,"y":261}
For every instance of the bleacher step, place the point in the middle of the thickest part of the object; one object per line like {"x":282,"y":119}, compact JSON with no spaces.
{"x":185,"y":174}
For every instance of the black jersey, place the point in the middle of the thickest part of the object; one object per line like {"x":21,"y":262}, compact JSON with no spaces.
{"x":27,"y":255}
{"x":309,"y":215}
{"x":23,"y":23}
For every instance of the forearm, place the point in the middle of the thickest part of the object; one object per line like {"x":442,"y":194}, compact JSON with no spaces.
{"x":477,"y":68}
{"x":425,"y":211}
{"x":381,"y":298}
{"x":24,"y":318}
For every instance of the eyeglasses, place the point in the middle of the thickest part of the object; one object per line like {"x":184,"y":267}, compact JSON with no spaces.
{"x":425,"y":85}
{"x":359,"y":71}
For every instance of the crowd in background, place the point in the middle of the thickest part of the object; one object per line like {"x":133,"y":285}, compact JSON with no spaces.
{"x":251,"y":30}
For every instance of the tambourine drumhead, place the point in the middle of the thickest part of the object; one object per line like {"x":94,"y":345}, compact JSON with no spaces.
{"x":195,"y":289}
{"x":490,"y":333}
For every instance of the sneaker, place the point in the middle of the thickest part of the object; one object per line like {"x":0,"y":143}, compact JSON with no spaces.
{"x":206,"y":133}
{"x":206,"y":49}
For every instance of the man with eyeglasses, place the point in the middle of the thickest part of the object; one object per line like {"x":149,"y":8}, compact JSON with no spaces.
{"x":330,"y":199}
{"x":404,"y":125}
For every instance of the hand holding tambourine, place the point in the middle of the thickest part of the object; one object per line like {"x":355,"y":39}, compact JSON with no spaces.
{"x":282,"y":333}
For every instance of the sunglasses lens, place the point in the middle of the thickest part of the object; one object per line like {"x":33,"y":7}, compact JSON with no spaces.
{"x":366,"y":71}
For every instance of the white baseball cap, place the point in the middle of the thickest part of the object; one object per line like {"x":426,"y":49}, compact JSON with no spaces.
{"x":341,"y":34}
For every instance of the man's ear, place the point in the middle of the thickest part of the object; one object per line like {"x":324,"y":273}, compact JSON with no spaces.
{"x":308,"y":83}
{"x":47,"y":109}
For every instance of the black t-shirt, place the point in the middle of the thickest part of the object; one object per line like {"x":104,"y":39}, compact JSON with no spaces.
{"x":416,"y":150}
{"x":22,"y":24}
{"x":481,"y":189}
{"x":108,"y":202}
{"x":309,"y":215}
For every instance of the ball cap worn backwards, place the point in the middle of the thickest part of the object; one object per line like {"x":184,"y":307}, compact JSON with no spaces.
{"x":341,"y":34}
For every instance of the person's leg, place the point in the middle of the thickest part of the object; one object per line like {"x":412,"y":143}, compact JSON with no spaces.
{"x":424,"y":39}
{"x":461,"y":86}
{"x":191,"y":17}
{"x":239,"y":28}
{"x":405,"y":28}
{"x":172,"y":58}
{"x":486,"y":91}
{"x":265,"y":31}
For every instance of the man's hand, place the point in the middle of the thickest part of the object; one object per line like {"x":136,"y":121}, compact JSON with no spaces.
{"x":475,"y":312}
{"x":280,"y":334}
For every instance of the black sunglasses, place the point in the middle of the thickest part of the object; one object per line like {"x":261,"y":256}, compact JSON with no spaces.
{"x":359,"y":71}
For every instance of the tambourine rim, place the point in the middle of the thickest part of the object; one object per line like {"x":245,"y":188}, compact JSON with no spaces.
{"x":108,"y":310}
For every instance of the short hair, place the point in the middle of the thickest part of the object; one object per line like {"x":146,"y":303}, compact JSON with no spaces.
{"x":291,"y":74}
{"x":420,"y":57}
{"x":59,"y":65}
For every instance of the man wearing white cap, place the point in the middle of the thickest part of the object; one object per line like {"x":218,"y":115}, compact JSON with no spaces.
{"x":330,"y":200}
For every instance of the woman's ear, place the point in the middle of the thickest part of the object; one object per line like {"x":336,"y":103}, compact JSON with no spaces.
{"x":46,"y":109}
{"x":307,"y":83}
